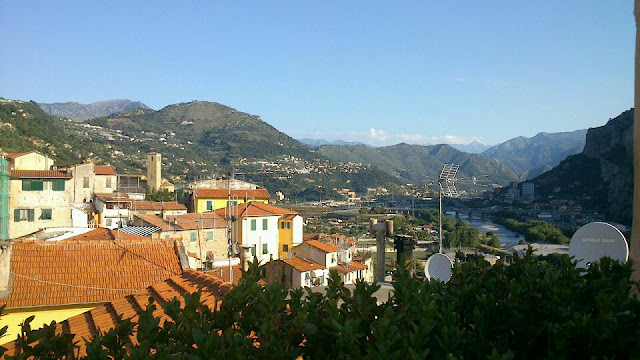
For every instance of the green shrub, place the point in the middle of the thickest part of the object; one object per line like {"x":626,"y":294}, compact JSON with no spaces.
{"x":529,"y":309}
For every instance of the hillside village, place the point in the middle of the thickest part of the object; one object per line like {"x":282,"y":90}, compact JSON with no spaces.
{"x":51,"y":212}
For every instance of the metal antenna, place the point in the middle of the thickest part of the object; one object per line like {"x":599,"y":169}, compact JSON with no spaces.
{"x":448,"y":177}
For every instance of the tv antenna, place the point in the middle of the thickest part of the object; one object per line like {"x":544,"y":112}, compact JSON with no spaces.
{"x":447,"y":179}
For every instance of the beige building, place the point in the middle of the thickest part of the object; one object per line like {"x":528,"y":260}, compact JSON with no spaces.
{"x":159,"y":208}
{"x":39,"y":197}
{"x":204,"y":236}
{"x":154,"y":171}
{"x":89,"y":179}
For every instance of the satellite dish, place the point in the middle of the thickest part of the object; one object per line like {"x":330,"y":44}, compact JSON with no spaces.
{"x":235,"y":248}
{"x":596,"y":240}
{"x":289,"y":255}
{"x":438,"y":267}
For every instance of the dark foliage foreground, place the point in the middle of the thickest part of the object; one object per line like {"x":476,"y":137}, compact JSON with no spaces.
{"x":529,"y":309}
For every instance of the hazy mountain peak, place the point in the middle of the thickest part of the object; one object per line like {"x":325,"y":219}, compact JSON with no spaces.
{"x":81,"y":112}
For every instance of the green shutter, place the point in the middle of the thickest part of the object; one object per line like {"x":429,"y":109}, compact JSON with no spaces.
{"x":26,"y":184}
{"x":37,"y":185}
{"x":58,"y":185}
{"x":209,"y":235}
{"x":16,"y":215}
{"x":265,"y":249}
{"x":46,"y":214}
{"x":193,"y":236}
{"x":32,"y":215}
{"x":209,"y":205}
{"x":265,"y":223}
{"x":253,"y":224}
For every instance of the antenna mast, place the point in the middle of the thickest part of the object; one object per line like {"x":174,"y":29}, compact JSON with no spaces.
{"x":448,"y":177}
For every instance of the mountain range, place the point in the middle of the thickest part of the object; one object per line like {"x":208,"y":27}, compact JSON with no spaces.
{"x":82,"y":112}
{"x":529,"y":157}
{"x":601,"y":176}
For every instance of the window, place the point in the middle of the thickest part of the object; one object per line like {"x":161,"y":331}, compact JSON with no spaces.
{"x":233,"y":202}
{"x":253,"y":251}
{"x":265,"y":222}
{"x":85,"y":182}
{"x":265,"y":249}
{"x":209,"y":205}
{"x":32,"y":185}
{"x":108,"y":184}
{"x":45,"y":214}
{"x":23,"y":215}
{"x":193,"y":237}
{"x":285,"y":247}
{"x":209,"y":235}
{"x":58,"y":185}
{"x":253,"y":224}
{"x":108,"y":222}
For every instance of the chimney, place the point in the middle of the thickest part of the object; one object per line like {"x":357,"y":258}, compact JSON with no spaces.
{"x":5,"y":266}
{"x":245,"y":257}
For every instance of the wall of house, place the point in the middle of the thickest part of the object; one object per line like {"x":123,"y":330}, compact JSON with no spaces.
{"x":59,"y":202}
{"x":32,"y":161}
{"x":285,"y":236}
{"x":196,"y":241}
{"x":109,"y":218}
{"x":43,"y":315}
{"x":297,"y":230}
{"x":82,"y":194}
{"x":316,"y":255}
{"x":260,"y":236}
{"x":105,"y":184}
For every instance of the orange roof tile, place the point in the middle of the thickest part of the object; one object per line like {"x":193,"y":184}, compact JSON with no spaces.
{"x":45,"y":174}
{"x":100,"y":319}
{"x":113,"y":196}
{"x":157,"y":205}
{"x":260,"y":194}
{"x":154,"y":220}
{"x":80,"y":270}
{"x":255,"y":209}
{"x":192,"y":221}
{"x":223,"y":273}
{"x":326,"y":247}
{"x":104,"y":170}
{"x":18,"y":154}
{"x":350,"y":267}
{"x":106,"y":234}
{"x":302,"y":264}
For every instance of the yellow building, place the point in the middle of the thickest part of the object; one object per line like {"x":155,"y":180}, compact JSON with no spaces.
{"x":289,"y":233}
{"x":90,"y":269}
{"x":214,"y":199}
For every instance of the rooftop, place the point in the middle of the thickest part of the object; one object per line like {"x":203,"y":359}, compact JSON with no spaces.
{"x":102,"y":317}
{"x":326,"y":247}
{"x":260,"y":194}
{"x":104,"y":170}
{"x":302,"y":264}
{"x":39,"y":174}
{"x":157,"y":205}
{"x":86,"y":269}
{"x":255,"y":209}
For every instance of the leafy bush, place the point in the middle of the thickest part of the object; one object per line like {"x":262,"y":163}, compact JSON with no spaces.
{"x":530,"y":309}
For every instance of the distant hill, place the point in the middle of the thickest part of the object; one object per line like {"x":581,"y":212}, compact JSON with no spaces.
{"x":82,"y":112}
{"x":321,"y":142}
{"x":530,"y":156}
{"x":601,"y":176}
{"x":422,"y":164}
{"x":474,"y":147}
{"x":197,"y":140}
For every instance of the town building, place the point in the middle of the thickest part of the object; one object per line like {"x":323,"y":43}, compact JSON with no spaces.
{"x":213,"y":199}
{"x":39,"y":195}
{"x":159,"y":208}
{"x":56,"y":279}
{"x":112,"y":209}
{"x":257,"y":226}
{"x":204,"y":236}
{"x":296,"y":272}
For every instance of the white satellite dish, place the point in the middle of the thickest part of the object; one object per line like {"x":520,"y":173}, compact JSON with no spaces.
{"x":289,"y":255}
{"x":236,"y":249}
{"x":438,"y":267}
{"x":596,"y":240}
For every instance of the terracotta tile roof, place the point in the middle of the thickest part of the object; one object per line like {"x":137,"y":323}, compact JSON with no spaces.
{"x":302,"y":264}
{"x":333,"y":238}
{"x":192,"y":221}
{"x":188,"y":221}
{"x":46,"y":174}
{"x":82,"y":271}
{"x":157,"y":205}
{"x":350,"y":267}
{"x":101,"y":318}
{"x":326,"y":247}
{"x":253,"y":208}
{"x":223,"y":273}
{"x":260,"y":194}
{"x":154,"y":220}
{"x":289,"y":216}
{"x":18,"y":154}
{"x":104,"y":170}
{"x":106,"y":234}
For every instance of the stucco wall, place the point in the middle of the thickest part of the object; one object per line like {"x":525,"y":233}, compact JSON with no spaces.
{"x":43,"y":315}
{"x":32,"y":161}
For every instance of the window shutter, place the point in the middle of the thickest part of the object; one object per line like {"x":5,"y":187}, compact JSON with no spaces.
{"x":32,"y":215}
{"x":16,"y":215}
{"x":58,"y":185}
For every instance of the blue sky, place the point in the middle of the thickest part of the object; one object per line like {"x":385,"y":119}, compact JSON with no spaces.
{"x":373,"y":71}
